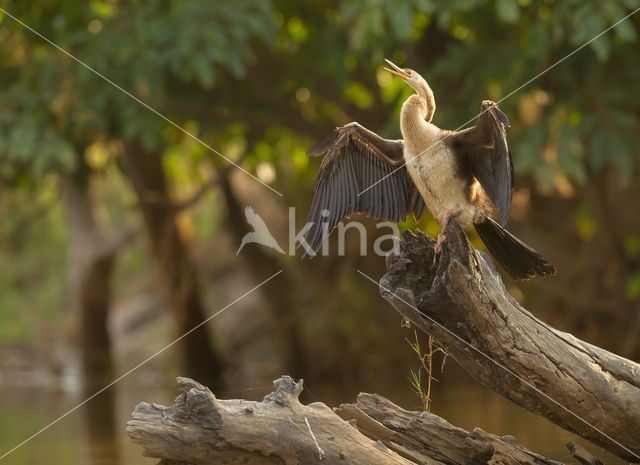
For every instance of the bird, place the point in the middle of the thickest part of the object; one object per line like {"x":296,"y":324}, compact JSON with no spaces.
{"x":260,"y":234}
{"x":466,"y":175}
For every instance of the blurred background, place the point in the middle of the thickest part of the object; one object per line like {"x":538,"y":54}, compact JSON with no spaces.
{"x":118,"y":231}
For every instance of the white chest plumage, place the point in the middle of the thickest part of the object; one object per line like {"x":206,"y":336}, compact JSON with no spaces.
{"x":434,"y":170}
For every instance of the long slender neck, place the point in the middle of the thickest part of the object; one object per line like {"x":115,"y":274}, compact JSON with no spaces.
{"x":426,"y":93}
{"x":418,"y":133}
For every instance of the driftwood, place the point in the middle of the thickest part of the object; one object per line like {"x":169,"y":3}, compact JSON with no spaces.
{"x":461,"y":297}
{"x":425,"y":438}
{"x":200,"y":429}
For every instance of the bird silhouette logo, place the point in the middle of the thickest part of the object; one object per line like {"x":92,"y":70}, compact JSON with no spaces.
{"x":260,"y":234}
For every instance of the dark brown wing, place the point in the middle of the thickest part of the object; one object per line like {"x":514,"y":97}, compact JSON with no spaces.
{"x":356,"y":159}
{"x":485,"y":149}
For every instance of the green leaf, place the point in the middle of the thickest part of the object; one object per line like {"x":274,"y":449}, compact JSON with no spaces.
{"x":508,"y":10}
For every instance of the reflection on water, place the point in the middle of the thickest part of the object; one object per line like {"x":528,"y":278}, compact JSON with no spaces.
{"x":85,"y":436}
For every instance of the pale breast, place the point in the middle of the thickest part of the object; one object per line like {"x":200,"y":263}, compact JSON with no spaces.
{"x":436,"y":174}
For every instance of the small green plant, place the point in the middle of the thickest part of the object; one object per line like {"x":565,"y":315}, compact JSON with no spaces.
{"x":422,"y":386}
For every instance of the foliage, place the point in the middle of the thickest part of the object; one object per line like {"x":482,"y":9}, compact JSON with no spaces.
{"x":50,"y":104}
{"x":259,"y":80}
{"x":31,"y":246}
{"x":486,"y":49}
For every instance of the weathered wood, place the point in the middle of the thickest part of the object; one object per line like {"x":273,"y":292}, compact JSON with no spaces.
{"x":461,"y":297}
{"x":200,"y":429}
{"x":425,"y":438}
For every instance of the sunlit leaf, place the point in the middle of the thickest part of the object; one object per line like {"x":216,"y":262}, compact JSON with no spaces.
{"x":508,"y":10}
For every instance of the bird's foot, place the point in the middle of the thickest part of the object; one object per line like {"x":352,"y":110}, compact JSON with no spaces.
{"x":443,"y":219}
{"x":438,"y":245}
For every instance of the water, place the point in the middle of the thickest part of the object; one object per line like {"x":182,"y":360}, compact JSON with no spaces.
{"x":80,"y":438}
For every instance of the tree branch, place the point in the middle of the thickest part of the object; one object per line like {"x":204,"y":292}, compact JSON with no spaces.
{"x":200,"y":429}
{"x":424,"y":437}
{"x":463,"y":303}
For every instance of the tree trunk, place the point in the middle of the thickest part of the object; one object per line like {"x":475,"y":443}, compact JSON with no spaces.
{"x":90,"y":272}
{"x":90,"y":268}
{"x":177,"y":271}
{"x":201,"y":430}
{"x":280,"y":295}
{"x":462,"y":302}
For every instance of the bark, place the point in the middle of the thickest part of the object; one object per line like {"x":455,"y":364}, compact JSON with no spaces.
{"x":200,"y":429}
{"x":425,"y":438}
{"x":176,"y":268}
{"x":90,"y":273}
{"x":461,"y":297}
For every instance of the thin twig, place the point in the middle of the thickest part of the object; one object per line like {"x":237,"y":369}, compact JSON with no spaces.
{"x":426,"y":364}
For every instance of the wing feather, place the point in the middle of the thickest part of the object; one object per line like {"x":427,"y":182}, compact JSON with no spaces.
{"x":354,"y":160}
{"x":485,"y":150}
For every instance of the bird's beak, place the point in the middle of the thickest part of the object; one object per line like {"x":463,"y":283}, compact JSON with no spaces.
{"x":395,"y":69}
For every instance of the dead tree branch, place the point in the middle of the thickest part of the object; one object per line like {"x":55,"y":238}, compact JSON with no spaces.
{"x":425,"y":438}
{"x":201,"y":430}
{"x":464,"y":304}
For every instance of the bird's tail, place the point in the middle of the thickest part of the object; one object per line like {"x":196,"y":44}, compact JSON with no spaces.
{"x":520,"y":260}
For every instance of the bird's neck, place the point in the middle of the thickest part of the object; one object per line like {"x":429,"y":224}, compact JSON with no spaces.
{"x":417,"y":131}
{"x":425,"y":92}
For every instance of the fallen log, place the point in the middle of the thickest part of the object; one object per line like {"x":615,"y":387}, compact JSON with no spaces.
{"x":200,"y":429}
{"x":424,"y":437}
{"x":460,"y":299}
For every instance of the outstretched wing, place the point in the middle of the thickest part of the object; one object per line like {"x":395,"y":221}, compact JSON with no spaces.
{"x":485,"y":149}
{"x":356,"y":159}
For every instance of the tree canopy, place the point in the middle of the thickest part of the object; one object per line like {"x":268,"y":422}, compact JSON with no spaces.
{"x":259,"y":80}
